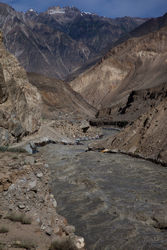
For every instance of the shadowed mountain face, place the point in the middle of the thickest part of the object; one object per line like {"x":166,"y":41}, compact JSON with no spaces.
{"x":59,"y":99}
{"x":60,"y":41}
{"x":151,"y":25}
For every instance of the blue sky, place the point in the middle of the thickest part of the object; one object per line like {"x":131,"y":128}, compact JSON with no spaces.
{"x":110,"y":8}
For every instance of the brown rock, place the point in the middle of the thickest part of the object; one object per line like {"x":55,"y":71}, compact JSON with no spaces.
{"x":20,"y":102}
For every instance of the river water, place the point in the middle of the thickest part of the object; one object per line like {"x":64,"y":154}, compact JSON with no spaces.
{"x":114,"y":201}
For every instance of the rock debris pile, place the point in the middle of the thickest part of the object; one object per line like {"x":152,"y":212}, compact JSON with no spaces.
{"x":28,"y":209}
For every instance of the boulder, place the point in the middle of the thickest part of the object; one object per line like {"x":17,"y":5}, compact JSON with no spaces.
{"x":84,"y":126}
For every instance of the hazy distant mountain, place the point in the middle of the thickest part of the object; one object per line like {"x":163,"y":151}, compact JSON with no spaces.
{"x":60,"y":41}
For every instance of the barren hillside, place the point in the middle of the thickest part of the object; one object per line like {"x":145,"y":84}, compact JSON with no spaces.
{"x":59,"y":99}
{"x":138,"y":63}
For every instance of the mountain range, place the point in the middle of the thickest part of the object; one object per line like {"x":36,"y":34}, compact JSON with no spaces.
{"x":60,"y":42}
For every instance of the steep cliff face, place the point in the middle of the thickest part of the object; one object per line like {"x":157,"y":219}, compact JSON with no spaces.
{"x":146,"y":137}
{"x":20,"y":102}
{"x":60,"y":41}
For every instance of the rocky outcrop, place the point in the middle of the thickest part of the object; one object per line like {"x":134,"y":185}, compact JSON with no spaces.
{"x":20,"y":102}
{"x":133,"y":106}
{"x":60,"y":41}
{"x":146,"y":137}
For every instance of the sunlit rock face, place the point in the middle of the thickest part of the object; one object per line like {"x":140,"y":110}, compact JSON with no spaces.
{"x":136,"y":64}
{"x":129,"y":86}
{"x":20,"y":102}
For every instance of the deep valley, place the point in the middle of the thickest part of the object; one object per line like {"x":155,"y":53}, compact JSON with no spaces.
{"x":83,"y":128}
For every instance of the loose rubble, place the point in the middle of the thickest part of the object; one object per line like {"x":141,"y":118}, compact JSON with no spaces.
{"x":25,"y":192}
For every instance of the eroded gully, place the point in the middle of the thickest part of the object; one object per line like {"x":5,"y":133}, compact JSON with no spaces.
{"x":114,"y":201}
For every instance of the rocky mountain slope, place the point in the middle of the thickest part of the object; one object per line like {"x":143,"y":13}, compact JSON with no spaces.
{"x":129,"y":87}
{"x":21,"y":105}
{"x":152,"y":25}
{"x":145,"y":136}
{"x":20,"y":102}
{"x":59,"y":100}
{"x":136,"y":64}
{"x":60,"y":41}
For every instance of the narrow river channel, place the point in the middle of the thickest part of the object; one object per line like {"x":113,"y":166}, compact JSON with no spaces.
{"x":114,"y":201}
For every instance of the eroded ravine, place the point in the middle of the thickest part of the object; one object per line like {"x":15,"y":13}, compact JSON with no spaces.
{"x":114,"y":201}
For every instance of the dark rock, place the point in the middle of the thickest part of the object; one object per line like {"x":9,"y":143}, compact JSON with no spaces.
{"x":85,"y":126}
{"x":5,"y":137}
{"x":21,"y":206}
{"x":3,"y":88}
{"x":49,"y":231}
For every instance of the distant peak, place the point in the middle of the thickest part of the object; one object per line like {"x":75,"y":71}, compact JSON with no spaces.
{"x":165,"y":15}
{"x":55,"y":10}
{"x":62,"y":10}
{"x":87,"y":13}
{"x":31,"y":12}
{"x":6,"y":7}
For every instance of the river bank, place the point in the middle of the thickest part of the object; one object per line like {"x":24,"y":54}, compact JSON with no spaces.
{"x":28,"y":211}
{"x":113,"y":201}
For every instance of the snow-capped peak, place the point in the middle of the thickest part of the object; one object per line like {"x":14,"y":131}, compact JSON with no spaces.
{"x":56,"y":10}
{"x":87,"y":13}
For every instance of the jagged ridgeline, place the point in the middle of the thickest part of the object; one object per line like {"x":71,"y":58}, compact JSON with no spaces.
{"x":61,"y":42}
{"x":20,"y":102}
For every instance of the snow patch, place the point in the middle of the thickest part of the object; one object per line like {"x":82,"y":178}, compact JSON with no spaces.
{"x":87,"y":13}
{"x":53,"y":12}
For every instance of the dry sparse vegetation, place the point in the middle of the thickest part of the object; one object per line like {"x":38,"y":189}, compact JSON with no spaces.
{"x":14,"y":150}
{"x":4,"y":230}
{"x":19,"y":218}
{"x":62,"y":244}
{"x":2,"y":245}
{"x":24,"y":244}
